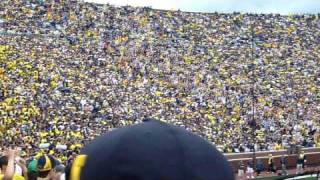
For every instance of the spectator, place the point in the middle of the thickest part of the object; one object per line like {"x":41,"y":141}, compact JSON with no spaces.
{"x":284,"y":164}
{"x":241,"y":169}
{"x":47,"y":167}
{"x":250,"y":171}
{"x":301,"y":160}
{"x":259,"y":167}
{"x":32,"y":170}
{"x":271,"y":166}
{"x":7,"y":163}
{"x":150,"y":150}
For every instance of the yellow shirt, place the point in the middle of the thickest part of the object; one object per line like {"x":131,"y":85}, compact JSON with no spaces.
{"x":278,"y":147}
{"x":15,"y":177}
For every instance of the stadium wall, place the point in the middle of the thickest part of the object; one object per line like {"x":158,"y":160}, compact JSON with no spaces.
{"x":312,"y":156}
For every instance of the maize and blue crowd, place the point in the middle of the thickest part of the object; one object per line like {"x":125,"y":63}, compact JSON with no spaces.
{"x":71,"y":71}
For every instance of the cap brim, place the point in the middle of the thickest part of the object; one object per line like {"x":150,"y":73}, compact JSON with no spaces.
{"x":43,"y":174}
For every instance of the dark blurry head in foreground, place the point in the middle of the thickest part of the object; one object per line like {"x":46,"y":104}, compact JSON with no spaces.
{"x":150,"y":150}
{"x":3,"y":163}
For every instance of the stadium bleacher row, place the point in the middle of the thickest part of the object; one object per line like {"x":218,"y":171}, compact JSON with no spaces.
{"x":71,"y":71}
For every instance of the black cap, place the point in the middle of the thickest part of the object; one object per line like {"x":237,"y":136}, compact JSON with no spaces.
{"x":45,"y":164}
{"x":152,"y":150}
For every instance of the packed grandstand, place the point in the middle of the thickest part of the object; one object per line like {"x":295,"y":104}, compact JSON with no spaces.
{"x":71,"y":71}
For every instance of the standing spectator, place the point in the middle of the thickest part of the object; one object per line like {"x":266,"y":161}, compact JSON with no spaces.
{"x":150,"y":150}
{"x":259,"y":167}
{"x":301,"y":162}
{"x":250,"y":171}
{"x":7,"y":163}
{"x":284,"y":163}
{"x":47,"y":167}
{"x":271,"y":168}
{"x":241,"y":169}
{"x":32,"y":170}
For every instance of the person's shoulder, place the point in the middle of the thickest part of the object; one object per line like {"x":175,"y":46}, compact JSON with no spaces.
{"x":18,"y":177}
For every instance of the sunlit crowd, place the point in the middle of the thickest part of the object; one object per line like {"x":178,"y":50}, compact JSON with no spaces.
{"x":70,"y":71}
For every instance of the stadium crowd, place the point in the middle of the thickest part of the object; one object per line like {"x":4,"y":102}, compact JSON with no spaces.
{"x":71,"y":71}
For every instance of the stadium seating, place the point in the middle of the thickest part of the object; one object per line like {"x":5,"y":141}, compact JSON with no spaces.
{"x":71,"y":71}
